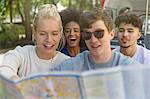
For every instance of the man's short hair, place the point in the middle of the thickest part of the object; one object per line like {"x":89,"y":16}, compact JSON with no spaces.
{"x":88,"y":18}
{"x":129,"y":18}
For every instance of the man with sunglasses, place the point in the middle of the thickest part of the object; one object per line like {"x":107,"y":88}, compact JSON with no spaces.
{"x":97,"y":31}
{"x":129,"y":28}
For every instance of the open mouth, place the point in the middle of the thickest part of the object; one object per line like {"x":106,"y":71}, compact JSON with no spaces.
{"x":48,"y":46}
{"x":124,"y":40}
{"x":95,"y":46}
{"x":72,"y":39}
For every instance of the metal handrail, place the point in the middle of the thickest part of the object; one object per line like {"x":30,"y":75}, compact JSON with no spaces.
{"x":146,"y":23}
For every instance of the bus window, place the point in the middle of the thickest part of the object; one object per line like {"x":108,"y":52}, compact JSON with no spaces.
{"x":143,"y":17}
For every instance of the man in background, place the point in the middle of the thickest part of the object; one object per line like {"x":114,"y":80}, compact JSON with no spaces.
{"x":129,"y":28}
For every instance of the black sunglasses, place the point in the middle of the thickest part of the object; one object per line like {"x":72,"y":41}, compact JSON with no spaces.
{"x":86,"y":35}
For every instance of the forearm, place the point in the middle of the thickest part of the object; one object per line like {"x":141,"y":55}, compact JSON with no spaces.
{"x":7,"y":71}
{"x":14,"y":77}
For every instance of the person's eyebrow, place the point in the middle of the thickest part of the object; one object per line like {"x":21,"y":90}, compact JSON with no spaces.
{"x":129,"y":28}
{"x":121,"y":28}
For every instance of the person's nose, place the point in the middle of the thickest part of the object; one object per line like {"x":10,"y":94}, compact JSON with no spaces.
{"x":93,"y":38}
{"x":125,"y":33}
{"x":48,"y":37}
{"x":71,"y":32}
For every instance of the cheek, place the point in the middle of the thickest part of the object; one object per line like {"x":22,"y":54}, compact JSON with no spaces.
{"x":104,"y":42}
{"x":119,"y":35}
{"x":58,"y":38}
{"x":78,"y":35}
{"x":135,"y":38}
{"x":39,"y":39}
{"x":66,"y":35}
{"x":87,"y":43}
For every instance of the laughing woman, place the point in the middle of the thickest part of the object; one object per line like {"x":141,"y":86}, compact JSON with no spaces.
{"x":70,"y":20}
{"x":23,"y":61}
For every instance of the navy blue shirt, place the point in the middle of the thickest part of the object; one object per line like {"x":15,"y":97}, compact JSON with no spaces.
{"x":66,"y":52}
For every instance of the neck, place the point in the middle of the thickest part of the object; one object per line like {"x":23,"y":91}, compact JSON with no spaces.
{"x":45,"y":56}
{"x":73,"y":51}
{"x":130,"y":51}
{"x":103,"y":58}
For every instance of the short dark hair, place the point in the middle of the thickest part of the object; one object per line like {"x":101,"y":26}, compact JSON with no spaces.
{"x":129,"y":18}
{"x":87,"y":18}
{"x":68,"y":15}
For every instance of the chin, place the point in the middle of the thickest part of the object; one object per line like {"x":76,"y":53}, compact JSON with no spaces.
{"x":72,"y":45}
{"x":124,"y":46}
{"x":48,"y":51}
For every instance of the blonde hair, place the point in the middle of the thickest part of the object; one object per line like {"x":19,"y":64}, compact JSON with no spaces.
{"x":49,"y":11}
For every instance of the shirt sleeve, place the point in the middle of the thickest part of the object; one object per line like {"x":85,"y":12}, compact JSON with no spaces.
{"x":6,"y":71}
{"x":11,"y":62}
{"x":64,"y":66}
{"x":71,"y":64}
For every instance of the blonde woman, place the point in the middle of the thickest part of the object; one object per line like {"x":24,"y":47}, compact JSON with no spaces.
{"x":23,"y":61}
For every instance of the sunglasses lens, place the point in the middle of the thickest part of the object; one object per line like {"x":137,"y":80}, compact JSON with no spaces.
{"x":99,"y":34}
{"x":86,"y":35}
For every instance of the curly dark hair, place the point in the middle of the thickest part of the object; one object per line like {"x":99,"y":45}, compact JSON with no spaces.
{"x":129,"y":18}
{"x":68,"y":15}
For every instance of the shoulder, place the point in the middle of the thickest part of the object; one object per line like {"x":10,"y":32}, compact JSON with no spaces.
{"x":59,"y":58}
{"x":82,"y":49}
{"x":65,"y":51}
{"x":73,"y":63}
{"x":144,"y":54}
{"x":22,"y":50}
{"x":82,"y":56}
{"x":124,"y":60}
{"x":117,"y":49}
{"x":77,"y":59}
{"x":62,"y":55}
{"x":143,"y":49}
